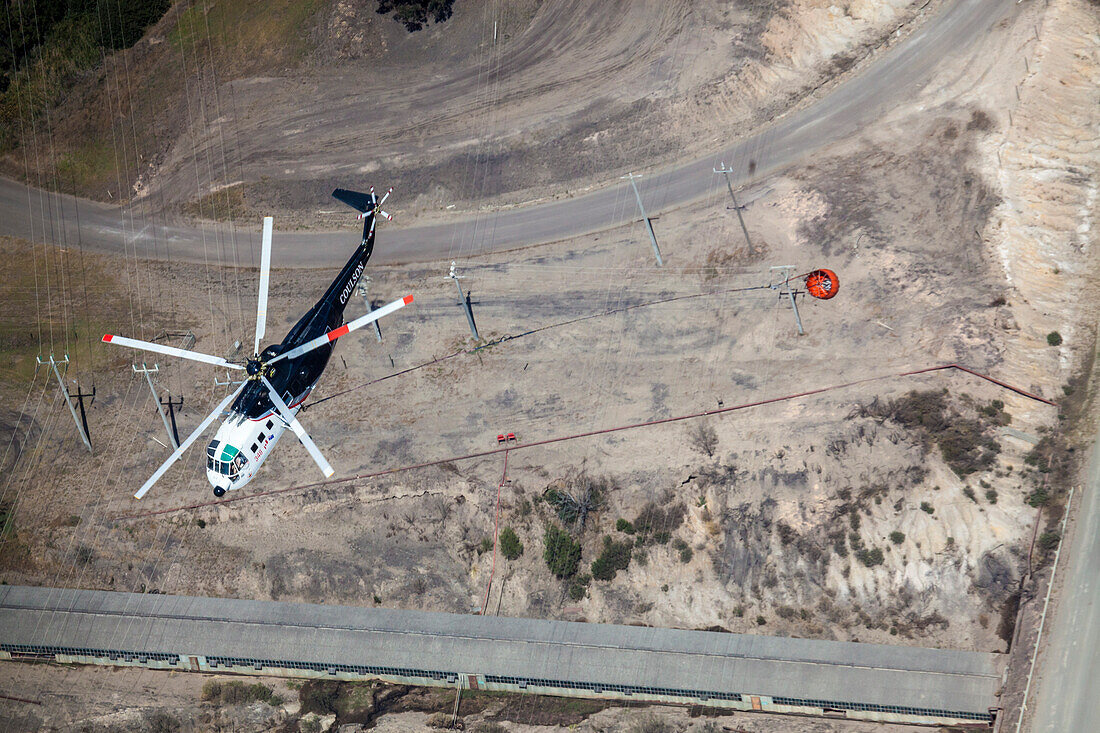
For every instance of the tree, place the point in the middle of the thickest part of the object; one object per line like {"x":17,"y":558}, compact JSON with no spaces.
{"x":704,"y":439}
{"x":510,"y":546}
{"x":615,"y":557}
{"x":562,"y":553}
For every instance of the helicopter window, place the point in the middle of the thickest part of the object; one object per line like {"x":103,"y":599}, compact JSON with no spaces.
{"x":270,"y":425}
{"x":253,"y":448}
{"x":238,"y":464}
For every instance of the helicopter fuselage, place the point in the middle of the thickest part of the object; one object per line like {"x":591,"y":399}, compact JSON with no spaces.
{"x":253,"y":426}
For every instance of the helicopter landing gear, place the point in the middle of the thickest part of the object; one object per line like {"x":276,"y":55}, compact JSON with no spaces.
{"x":219,"y":492}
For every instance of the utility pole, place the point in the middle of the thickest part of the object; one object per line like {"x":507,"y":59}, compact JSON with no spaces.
{"x":156,"y":398}
{"x":645,"y":218}
{"x":787,"y":270}
{"x":68,"y":400}
{"x":363,"y":284}
{"x":80,"y":395}
{"x":737,"y":207}
{"x":464,"y":301}
{"x":172,"y":415}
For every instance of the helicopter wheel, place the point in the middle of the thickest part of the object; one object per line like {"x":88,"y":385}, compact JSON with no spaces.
{"x":219,"y":491}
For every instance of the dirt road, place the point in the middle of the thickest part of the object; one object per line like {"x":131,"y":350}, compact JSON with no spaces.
{"x":897,"y":75}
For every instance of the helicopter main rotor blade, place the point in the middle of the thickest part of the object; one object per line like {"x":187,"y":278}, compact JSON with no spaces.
{"x":170,"y":351}
{"x":265,"y":281}
{"x":296,"y":426}
{"x":187,"y":443}
{"x":343,"y":330}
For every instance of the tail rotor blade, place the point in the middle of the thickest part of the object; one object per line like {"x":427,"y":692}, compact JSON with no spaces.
{"x":343,"y":330}
{"x":296,"y":426}
{"x":265,"y":282}
{"x":187,"y":443}
{"x":169,"y":350}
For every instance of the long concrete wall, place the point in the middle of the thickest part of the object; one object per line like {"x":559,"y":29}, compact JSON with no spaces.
{"x":744,"y":672}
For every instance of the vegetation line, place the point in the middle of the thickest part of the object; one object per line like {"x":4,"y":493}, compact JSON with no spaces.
{"x":577,"y":436}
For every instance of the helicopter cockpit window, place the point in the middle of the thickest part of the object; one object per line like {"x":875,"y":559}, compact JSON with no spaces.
{"x":237,"y":465}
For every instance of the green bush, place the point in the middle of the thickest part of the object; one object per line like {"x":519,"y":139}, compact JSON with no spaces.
{"x":969,"y":494}
{"x":615,"y":557}
{"x":991,"y":496}
{"x":579,"y":587}
{"x":926,"y":507}
{"x":624,"y":525}
{"x":562,"y":553}
{"x":1049,"y":540}
{"x":1054,"y":338}
{"x":897,"y":537}
{"x":760,"y":620}
{"x":1039,"y":497}
{"x":510,"y":546}
{"x":870,"y":558}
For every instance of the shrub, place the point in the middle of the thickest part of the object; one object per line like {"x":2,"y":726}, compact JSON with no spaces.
{"x":485,"y":546}
{"x":686,"y":554}
{"x":623,"y":525}
{"x":704,"y":439}
{"x":510,"y":546}
{"x":654,"y":521}
{"x":84,"y":554}
{"x":991,"y":496}
{"x":870,"y":558}
{"x":319,"y":696}
{"x":562,"y":553}
{"x":897,"y":537}
{"x":415,"y":14}
{"x":615,"y":557}
{"x":760,"y":620}
{"x":1039,"y":497}
{"x":235,"y":693}
{"x":579,"y":587}
{"x":969,"y":494}
{"x":1054,"y":338}
{"x":161,"y":722}
{"x":926,"y":507}
{"x":1049,"y":540}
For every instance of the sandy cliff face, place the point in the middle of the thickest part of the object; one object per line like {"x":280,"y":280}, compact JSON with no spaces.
{"x":1046,"y":166}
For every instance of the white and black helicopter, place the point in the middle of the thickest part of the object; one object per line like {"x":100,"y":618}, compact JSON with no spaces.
{"x":280,"y":377}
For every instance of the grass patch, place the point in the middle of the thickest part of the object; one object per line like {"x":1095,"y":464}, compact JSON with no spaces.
{"x":72,"y":318}
{"x":226,"y":204}
{"x":249,"y":33}
{"x":237,"y":693}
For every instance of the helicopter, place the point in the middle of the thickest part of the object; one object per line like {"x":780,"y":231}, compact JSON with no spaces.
{"x":278,"y":378}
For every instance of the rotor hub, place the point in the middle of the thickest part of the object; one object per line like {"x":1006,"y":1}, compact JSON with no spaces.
{"x":253,"y":367}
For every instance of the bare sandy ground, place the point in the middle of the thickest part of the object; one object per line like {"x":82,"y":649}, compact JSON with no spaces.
{"x":920,"y":218}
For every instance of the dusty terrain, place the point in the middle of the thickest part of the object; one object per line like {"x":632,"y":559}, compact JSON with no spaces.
{"x":504,"y":103}
{"x":772,"y":525}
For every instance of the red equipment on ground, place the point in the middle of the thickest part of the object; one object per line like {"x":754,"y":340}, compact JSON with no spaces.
{"x":822,"y":284}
